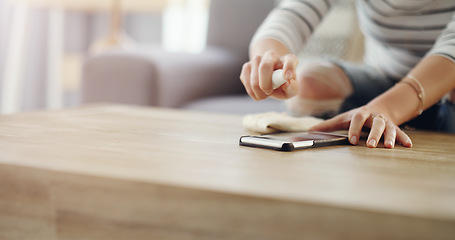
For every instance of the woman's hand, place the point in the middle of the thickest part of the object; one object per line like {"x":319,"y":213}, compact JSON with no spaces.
{"x":379,"y":124}
{"x":256,"y":75}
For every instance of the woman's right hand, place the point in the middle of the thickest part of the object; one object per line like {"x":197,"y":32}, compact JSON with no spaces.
{"x":256,"y":75}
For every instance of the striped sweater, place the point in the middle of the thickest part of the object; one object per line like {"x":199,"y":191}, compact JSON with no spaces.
{"x":398,"y":33}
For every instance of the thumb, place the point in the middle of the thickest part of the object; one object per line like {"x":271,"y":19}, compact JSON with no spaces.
{"x":290,"y":88}
{"x":290,"y":62}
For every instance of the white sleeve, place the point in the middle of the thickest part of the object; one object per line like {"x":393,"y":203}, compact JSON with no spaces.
{"x":445,"y":44}
{"x":292,"y":22}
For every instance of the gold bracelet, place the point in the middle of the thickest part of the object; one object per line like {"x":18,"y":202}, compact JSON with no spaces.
{"x":419,"y":90}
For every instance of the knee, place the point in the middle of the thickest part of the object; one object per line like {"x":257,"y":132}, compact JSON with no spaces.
{"x":322,"y":88}
{"x":323,"y":80}
{"x":311,"y":87}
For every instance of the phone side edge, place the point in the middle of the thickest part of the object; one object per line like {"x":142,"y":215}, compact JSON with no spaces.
{"x":254,"y":141}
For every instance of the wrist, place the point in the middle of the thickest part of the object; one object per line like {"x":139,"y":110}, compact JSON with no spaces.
{"x":268,"y":44}
{"x":396,"y":104}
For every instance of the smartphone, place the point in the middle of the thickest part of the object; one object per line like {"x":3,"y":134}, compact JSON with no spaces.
{"x":290,"y":141}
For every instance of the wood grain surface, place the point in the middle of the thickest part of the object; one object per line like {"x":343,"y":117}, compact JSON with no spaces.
{"x":126,"y":172}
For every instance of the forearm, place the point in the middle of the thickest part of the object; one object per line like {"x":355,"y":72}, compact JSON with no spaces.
{"x":401,"y":103}
{"x":268,"y":44}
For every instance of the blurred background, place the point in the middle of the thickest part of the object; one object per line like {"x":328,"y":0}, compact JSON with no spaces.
{"x":47,"y":47}
{"x":41,"y":38}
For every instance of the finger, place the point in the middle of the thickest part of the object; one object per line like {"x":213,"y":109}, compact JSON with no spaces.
{"x":377,"y":129}
{"x":245,"y":79}
{"x":286,"y":91}
{"x":403,"y":138}
{"x":357,"y":122}
{"x":338,"y":122}
{"x":390,"y":135}
{"x":265,"y":71}
{"x":290,"y":62}
{"x":254,"y":79}
{"x":290,"y":89}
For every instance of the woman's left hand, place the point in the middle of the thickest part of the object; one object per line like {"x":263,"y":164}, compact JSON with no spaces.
{"x":358,"y":118}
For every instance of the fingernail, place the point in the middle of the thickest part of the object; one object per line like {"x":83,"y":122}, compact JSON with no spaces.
{"x":409,"y":143}
{"x":389,"y":144}
{"x":354,"y":140}
{"x":269,"y":93}
{"x":372,"y":143}
{"x":288,"y":75}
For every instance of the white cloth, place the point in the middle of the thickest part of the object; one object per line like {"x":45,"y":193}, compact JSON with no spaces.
{"x":271,"y":122}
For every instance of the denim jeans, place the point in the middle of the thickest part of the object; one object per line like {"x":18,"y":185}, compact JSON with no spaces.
{"x":440,"y":117}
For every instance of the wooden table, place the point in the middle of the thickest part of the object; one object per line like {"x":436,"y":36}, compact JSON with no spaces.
{"x":123,"y":172}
